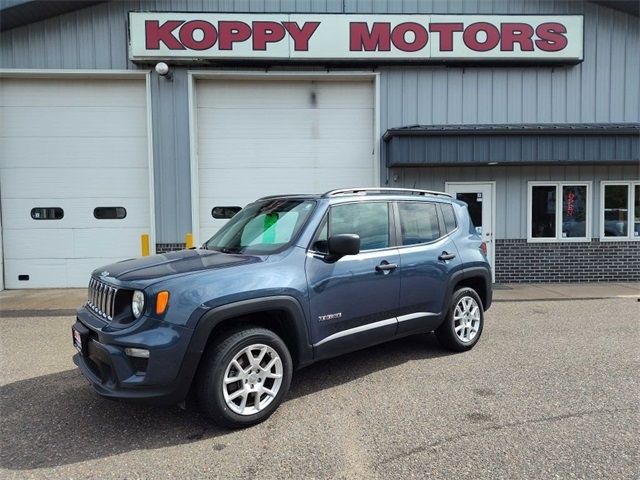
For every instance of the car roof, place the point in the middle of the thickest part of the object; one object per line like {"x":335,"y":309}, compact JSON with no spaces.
{"x":360,"y":193}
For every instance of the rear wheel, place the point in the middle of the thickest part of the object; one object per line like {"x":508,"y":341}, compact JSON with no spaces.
{"x":463,"y":325}
{"x":244,"y":377}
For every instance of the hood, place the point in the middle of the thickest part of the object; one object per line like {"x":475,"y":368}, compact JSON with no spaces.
{"x":172,"y":263}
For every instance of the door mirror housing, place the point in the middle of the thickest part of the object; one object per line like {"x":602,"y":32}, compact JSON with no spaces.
{"x":343,"y":244}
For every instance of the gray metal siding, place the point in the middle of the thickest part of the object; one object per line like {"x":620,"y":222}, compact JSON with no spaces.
{"x":511,"y":187}
{"x":605,"y":88}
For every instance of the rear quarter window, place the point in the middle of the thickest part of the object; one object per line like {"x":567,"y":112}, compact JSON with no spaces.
{"x":449,"y":217}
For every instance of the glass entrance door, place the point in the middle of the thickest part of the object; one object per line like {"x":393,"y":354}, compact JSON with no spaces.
{"x":479,"y":197}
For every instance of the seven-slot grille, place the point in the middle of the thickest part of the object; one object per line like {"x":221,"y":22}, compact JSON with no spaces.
{"x":102,"y":298}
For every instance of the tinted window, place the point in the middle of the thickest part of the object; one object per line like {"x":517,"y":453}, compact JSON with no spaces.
{"x":47,"y":213}
{"x":449,"y":217}
{"x":320,"y":241}
{"x":262,"y":227}
{"x":418,"y":222}
{"x":370,"y":220}
{"x":109,"y":213}
{"x":543,"y":211}
{"x":224,"y":212}
{"x":474,"y":207}
{"x":574,"y":211}
{"x":616,"y":210}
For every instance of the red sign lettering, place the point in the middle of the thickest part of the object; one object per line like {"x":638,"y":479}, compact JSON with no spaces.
{"x":155,"y":34}
{"x":446,"y":31}
{"x":363,"y":40}
{"x":209,"y":35}
{"x":552,"y":38}
{"x":470,"y":36}
{"x":420,"y":37}
{"x":516,"y":33}
{"x":302,"y":35}
{"x":266,"y":32}
{"x":232,"y":32}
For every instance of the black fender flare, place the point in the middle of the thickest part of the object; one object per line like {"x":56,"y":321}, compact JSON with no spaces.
{"x":215,"y":316}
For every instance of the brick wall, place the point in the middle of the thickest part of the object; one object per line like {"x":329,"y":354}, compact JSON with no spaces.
{"x":517,"y":261}
{"x":169,"y":247}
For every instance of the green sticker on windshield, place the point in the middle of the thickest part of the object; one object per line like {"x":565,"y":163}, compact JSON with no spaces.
{"x":270,"y":219}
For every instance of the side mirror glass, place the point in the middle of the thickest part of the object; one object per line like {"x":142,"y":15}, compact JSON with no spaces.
{"x":343,"y":244}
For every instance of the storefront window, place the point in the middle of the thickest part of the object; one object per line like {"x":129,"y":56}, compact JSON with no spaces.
{"x":559,"y":211}
{"x":636,"y":211}
{"x":616,"y":210}
{"x":620,"y":215}
{"x":574,"y":208}
{"x":543,"y":211}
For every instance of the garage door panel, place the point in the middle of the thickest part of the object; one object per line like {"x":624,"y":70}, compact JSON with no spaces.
{"x":49,"y":273}
{"x":114,"y":152}
{"x":73,"y":183}
{"x":66,"y":93}
{"x":288,"y":94}
{"x":76,"y":145}
{"x":283,"y":124}
{"x":73,"y":122}
{"x":88,"y":241}
{"x":38,"y":243}
{"x":78,"y":213}
{"x":270,"y":153}
{"x":260,"y":138}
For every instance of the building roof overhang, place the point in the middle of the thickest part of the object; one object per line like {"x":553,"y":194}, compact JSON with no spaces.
{"x":513,"y":144}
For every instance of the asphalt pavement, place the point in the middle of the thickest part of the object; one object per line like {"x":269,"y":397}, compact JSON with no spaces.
{"x":550,"y":391}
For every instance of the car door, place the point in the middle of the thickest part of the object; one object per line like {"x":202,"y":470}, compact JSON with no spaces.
{"x":428,"y":257}
{"x":353,"y":301}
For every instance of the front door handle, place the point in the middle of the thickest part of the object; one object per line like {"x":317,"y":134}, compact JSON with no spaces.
{"x":385,"y":267}
{"x":447,"y":256}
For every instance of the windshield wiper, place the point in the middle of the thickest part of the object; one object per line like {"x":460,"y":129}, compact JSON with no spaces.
{"x":229,"y":250}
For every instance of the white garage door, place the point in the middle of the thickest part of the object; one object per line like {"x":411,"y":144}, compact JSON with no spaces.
{"x":67,"y":148}
{"x":264,"y":137}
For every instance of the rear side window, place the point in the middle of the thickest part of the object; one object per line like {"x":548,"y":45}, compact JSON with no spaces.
{"x":370,"y":220}
{"x":418,"y":222}
{"x":449,"y":217}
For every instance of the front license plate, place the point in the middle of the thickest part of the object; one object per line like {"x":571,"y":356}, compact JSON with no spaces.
{"x":77,"y":340}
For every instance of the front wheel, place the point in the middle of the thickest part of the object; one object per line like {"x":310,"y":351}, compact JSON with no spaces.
{"x":463,"y":325}
{"x":244,"y":377}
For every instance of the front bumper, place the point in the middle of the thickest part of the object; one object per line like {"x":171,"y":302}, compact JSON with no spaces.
{"x":165,"y":378}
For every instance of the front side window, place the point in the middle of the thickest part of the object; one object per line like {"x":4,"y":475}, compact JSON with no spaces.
{"x":369,"y":220}
{"x":262,"y":227}
{"x":418,"y":222}
{"x":620,"y":215}
{"x":558,"y":211}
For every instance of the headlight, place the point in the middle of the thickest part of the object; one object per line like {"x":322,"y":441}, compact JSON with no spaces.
{"x":137,"y":303}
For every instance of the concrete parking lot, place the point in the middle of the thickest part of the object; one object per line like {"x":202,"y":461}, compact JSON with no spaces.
{"x":551,"y":390}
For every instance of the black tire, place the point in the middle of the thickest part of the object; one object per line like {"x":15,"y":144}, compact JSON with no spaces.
{"x":446,"y":333}
{"x":218,"y":357}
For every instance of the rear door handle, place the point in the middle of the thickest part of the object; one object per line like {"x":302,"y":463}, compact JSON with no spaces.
{"x":385,"y":267}
{"x":447,"y":256}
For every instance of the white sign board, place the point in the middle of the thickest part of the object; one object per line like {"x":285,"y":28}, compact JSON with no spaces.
{"x":372,"y":38}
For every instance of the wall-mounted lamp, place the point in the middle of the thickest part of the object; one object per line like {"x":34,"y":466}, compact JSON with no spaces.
{"x":162,"y":69}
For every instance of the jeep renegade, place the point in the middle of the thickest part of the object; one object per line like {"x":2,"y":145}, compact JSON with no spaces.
{"x":288,"y":281}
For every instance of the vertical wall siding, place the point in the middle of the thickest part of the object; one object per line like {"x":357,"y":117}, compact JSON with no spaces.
{"x":605,"y":88}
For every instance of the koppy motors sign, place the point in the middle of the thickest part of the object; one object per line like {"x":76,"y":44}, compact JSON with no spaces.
{"x":372,"y":38}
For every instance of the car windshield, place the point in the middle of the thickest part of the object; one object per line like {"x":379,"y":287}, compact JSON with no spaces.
{"x":262,"y":227}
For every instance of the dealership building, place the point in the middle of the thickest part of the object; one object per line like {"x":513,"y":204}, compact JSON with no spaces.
{"x":125,"y":126}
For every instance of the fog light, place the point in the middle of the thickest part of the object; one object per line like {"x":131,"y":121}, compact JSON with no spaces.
{"x":137,"y":352}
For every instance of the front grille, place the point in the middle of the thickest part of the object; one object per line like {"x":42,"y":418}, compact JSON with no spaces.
{"x":102,"y":298}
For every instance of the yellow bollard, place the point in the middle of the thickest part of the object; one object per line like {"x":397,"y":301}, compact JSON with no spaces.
{"x":144,"y":244}
{"x":188,"y":240}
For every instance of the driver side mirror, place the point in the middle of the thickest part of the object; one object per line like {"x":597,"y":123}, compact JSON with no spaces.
{"x":343,"y":244}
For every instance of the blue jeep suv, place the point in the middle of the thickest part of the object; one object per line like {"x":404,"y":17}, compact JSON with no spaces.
{"x":289,"y":280}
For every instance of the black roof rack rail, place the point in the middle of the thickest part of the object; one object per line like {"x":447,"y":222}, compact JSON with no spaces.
{"x":399,"y":191}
